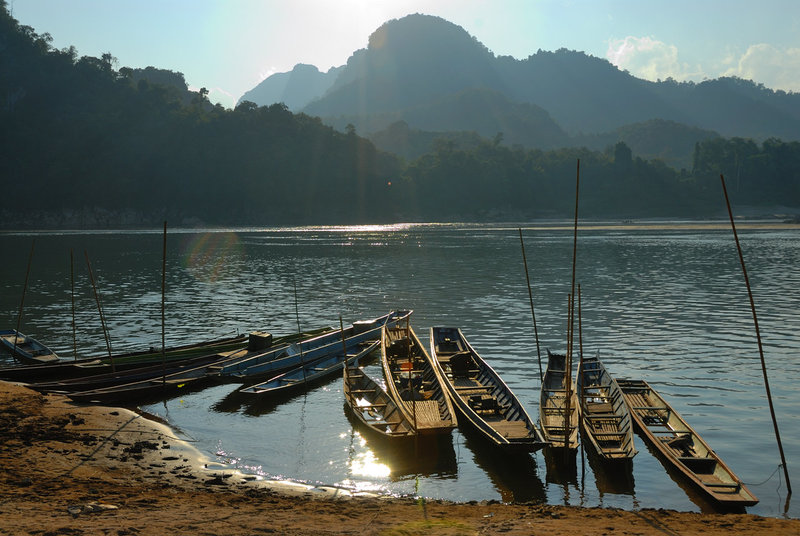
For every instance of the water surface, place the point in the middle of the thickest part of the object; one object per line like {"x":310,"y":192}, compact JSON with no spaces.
{"x":663,"y":303}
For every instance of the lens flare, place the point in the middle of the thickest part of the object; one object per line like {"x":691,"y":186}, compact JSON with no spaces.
{"x":206,"y":256}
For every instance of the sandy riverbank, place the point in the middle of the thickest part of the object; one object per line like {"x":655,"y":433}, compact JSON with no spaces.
{"x":70,"y":469}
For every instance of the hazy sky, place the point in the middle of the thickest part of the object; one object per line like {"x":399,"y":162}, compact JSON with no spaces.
{"x":229,"y":46}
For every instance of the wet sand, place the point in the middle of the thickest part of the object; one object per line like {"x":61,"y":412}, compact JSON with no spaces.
{"x":73,"y":469}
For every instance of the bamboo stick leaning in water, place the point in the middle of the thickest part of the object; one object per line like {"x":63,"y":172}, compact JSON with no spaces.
{"x":758,"y":337}
{"x":163,"y":315}
{"x":72,"y":292}
{"x":533,"y":313}
{"x":22,"y":301}
{"x":100,"y":311}
{"x":568,"y":367}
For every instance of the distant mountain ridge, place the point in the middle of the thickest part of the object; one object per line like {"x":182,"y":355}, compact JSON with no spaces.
{"x":428,"y":72}
{"x":295,"y":89}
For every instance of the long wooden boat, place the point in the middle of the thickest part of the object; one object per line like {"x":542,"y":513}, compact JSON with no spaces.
{"x":97,"y":381}
{"x":553,"y":402}
{"x":314,"y":372}
{"x":26,"y":349}
{"x":270,"y":364}
{"x":372,"y":406}
{"x":480,"y":395}
{"x":414,"y":382}
{"x":192,"y":377}
{"x":604,"y":413}
{"x":683,"y":448}
{"x":89,"y":366}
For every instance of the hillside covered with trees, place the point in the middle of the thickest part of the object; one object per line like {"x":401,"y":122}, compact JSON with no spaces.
{"x":84,"y":144}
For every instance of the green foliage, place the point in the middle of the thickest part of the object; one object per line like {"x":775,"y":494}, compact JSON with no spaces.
{"x":84,"y":144}
{"x":765,"y":175}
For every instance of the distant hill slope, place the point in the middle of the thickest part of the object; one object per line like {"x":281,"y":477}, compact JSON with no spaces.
{"x":295,"y":89}
{"x":418,"y":63}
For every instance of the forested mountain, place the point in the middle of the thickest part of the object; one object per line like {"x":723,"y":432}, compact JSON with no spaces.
{"x":421,"y":64}
{"x":85,"y":145}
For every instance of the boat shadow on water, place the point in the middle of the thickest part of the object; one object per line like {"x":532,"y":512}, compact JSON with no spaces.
{"x":514,"y":475}
{"x":429,"y":456}
{"x":612,"y":477}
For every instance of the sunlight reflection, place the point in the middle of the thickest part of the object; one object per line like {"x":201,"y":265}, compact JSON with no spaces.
{"x":367,"y":465}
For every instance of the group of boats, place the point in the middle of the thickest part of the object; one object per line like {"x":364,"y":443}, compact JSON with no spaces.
{"x":423,"y":393}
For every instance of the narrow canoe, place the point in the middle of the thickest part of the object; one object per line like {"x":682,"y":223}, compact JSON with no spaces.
{"x":480,"y":395}
{"x":270,"y":364}
{"x":373,"y":407}
{"x":89,"y":366}
{"x":553,"y":402}
{"x":604,"y":413}
{"x":679,"y":445}
{"x":191,"y":377}
{"x":414,"y":382}
{"x":314,"y":372}
{"x":26,"y":349}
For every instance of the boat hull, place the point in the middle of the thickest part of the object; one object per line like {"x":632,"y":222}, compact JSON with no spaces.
{"x":682,"y":448}
{"x":483,"y":400}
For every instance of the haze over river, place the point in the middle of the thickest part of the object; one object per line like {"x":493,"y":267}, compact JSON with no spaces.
{"x":666,"y":303}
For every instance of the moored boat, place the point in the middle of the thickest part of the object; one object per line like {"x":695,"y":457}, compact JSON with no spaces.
{"x":683,"y":448}
{"x":67,"y":369}
{"x":26,"y":349}
{"x":414,"y":382}
{"x":604,"y":413}
{"x":314,"y":372}
{"x":555,"y":393}
{"x":480,"y":395}
{"x":270,"y":364}
{"x":372,"y":406}
{"x":187,"y":378}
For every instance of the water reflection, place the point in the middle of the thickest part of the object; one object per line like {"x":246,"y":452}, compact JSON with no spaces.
{"x":513,"y":474}
{"x":407,"y":456}
{"x":612,"y":477}
{"x":665,"y":305}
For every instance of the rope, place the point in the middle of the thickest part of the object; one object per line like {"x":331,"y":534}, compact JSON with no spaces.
{"x":768,"y":478}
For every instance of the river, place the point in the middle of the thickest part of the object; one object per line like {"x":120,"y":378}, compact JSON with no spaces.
{"x":664,"y":302}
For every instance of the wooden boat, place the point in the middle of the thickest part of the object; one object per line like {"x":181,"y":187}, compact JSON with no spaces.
{"x":604,"y":413}
{"x":552,"y":405}
{"x":89,"y":366}
{"x":679,"y":445}
{"x":268,"y":365}
{"x":97,"y":381}
{"x":314,"y":372}
{"x":26,"y":349}
{"x":372,"y":406}
{"x":480,"y":395}
{"x":194,"y":376}
{"x":414,"y":382}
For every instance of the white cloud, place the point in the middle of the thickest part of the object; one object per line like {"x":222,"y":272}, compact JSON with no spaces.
{"x":773,"y":67}
{"x":648,"y":58}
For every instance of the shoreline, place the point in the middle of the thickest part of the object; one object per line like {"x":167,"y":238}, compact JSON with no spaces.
{"x":81,"y":469}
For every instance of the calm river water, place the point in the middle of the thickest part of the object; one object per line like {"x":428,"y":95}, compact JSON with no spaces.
{"x":666,"y":303}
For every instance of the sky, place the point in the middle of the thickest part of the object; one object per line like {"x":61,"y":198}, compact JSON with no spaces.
{"x":230,"y":46}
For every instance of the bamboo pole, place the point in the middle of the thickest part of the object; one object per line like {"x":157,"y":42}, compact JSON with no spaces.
{"x":100,"y":311}
{"x":580,"y":369}
{"x":72,"y":292}
{"x":572,"y":299}
{"x":22,"y":302}
{"x":300,"y":342}
{"x":758,"y":338}
{"x":533,"y":313}
{"x":163,"y":304}
{"x":568,"y":379}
